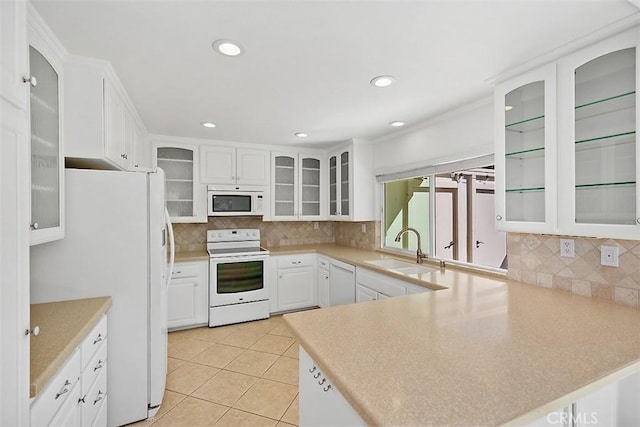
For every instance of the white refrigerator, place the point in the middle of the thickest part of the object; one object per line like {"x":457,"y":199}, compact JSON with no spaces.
{"x":117,"y":232}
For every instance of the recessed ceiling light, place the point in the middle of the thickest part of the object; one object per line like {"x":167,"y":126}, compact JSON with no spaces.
{"x":508,"y":107}
{"x":208,"y":124}
{"x":382,"y":81}
{"x":228,"y":47}
{"x":397,"y":123}
{"x":301,"y":134}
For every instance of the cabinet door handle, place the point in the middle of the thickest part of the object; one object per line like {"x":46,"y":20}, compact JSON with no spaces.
{"x":31,"y":80}
{"x":499,"y":217}
{"x":99,"y":365}
{"x":98,"y":339}
{"x":34,"y":226}
{"x":316,"y":375}
{"x":99,"y":397}
{"x":124,"y":156}
{"x":64,"y":389}
{"x":82,"y":399}
{"x":35,"y":331}
{"x":327,"y":388}
{"x":312,"y":370}
{"x":295,"y":262}
{"x":322,"y":381}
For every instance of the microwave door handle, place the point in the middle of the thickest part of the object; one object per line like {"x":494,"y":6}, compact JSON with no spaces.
{"x":172,"y":243}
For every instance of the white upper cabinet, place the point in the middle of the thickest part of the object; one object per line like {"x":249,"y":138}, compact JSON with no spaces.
{"x":525,"y":152}
{"x":46,"y":119}
{"x":351,"y":183}
{"x":598,"y":154}
{"x":573,"y":171}
{"x":235,"y":166}
{"x":103,"y":128}
{"x":297,"y":191}
{"x":13,"y":57}
{"x":184,"y":195}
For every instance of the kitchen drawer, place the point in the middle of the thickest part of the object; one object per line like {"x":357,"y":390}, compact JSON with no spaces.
{"x":94,"y":368}
{"x":49,"y":400}
{"x":323,"y":262}
{"x":186,"y":269}
{"x":93,"y":341}
{"x":295,"y":261}
{"x":94,"y":399}
{"x":380,"y":283}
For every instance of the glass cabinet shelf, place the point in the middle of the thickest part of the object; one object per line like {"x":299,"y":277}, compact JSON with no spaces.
{"x":600,"y":138}
{"x":522,"y":154}
{"x":37,"y":101}
{"x":605,"y":184}
{"x":524,"y":190}
{"x":162,"y":159}
{"x":605,"y":105}
{"x":526,"y":125}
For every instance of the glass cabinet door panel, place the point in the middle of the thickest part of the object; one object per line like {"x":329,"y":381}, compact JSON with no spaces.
{"x":605,"y":139}
{"x":177,"y":164}
{"x":344,"y":183}
{"x":333,"y":188}
{"x":310,"y":194}
{"x":284,"y":180}
{"x":45,"y":143}
{"x":525,"y":153}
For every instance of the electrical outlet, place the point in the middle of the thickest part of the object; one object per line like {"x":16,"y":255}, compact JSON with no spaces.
{"x":609,"y":255}
{"x":364,"y":228}
{"x":315,"y":225}
{"x":567,"y":248}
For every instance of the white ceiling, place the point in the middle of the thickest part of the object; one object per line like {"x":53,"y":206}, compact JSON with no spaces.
{"x":307,"y":64}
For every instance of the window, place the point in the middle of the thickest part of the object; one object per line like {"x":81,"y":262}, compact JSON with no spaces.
{"x":453,"y":212}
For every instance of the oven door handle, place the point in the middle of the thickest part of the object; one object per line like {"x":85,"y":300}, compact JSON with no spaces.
{"x":222,"y":260}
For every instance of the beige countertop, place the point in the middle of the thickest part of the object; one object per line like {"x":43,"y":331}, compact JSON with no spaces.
{"x":192,"y":256}
{"x":63,"y":326}
{"x":483,"y":351}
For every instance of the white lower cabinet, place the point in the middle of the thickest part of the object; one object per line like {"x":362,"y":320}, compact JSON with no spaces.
{"x":321,"y":404}
{"x":295,"y":281}
{"x":77,"y":393}
{"x":342,"y":283}
{"x":372,"y":286}
{"x":189,"y":295}
{"x":615,"y":404}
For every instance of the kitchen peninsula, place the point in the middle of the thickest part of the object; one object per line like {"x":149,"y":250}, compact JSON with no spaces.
{"x":484,"y":351}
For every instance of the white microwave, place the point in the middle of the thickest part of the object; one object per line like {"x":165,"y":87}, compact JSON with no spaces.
{"x":234,"y":201}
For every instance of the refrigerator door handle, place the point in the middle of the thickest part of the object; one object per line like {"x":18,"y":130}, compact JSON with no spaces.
{"x":172,"y":256}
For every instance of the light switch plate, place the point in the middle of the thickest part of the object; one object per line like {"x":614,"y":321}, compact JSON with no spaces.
{"x":609,"y":255}
{"x":567,"y":248}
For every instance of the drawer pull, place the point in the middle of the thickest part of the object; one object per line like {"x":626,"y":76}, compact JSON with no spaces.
{"x":322,"y":381}
{"x":296,"y":262}
{"x":81,"y":400}
{"x":99,"y":398}
{"x":64,"y":389}
{"x":177,"y":272}
{"x":312,"y":370}
{"x":316,"y":375}
{"x":98,"y":339}
{"x":98,"y":366}
{"x":327,"y":388}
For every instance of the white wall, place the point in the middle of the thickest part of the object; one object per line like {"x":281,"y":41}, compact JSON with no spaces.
{"x":456,"y":135}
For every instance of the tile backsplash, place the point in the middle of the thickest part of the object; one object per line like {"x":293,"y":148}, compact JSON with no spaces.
{"x":535,"y":259}
{"x":193,"y":237}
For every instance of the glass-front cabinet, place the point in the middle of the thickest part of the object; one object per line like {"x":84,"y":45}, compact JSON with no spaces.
{"x":185,"y":196}
{"x":339,"y":184}
{"x":297,"y":186}
{"x":598,"y":169}
{"x":47,"y":168}
{"x":525,"y":111}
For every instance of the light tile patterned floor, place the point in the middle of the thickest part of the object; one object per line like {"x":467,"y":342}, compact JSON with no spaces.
{"x":236,"y":375}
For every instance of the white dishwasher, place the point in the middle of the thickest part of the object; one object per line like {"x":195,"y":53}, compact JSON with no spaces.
{"x":343,"y":283}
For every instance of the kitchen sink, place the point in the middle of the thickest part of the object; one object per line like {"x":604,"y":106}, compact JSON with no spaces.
{"x":400,"y":266}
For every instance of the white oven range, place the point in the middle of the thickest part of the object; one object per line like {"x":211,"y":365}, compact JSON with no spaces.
{"x":238,"y":291}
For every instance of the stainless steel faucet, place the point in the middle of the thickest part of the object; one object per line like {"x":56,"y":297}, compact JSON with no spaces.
{"x":419,"y":255}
